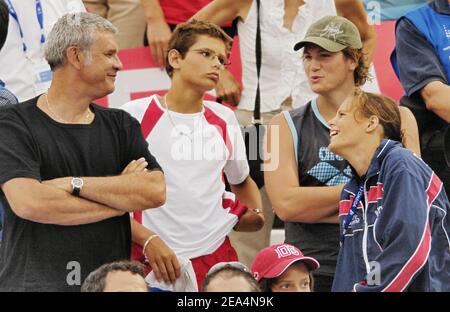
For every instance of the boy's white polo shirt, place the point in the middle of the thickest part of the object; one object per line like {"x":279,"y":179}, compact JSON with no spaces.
{"x":194,"y":150}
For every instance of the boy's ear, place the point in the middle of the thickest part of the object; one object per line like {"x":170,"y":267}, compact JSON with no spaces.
{"x":174,"y":58}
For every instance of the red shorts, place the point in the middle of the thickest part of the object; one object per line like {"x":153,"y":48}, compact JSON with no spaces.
{"x":202,"y":264}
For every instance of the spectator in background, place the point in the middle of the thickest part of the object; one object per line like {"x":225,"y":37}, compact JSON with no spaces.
{"x":80,"y":164}
{"x":197,"y":143}
{"x":230,"y":277}
{"x":162,"y":18}
{"x":284,"y":268}
{"x":126,"y":15}
{"x":120,"y":276}
{"x":390,"y":9}
{"x":421,"y":60}
{"x":394,"y":224}
{"x":306,"y":182}
{"x":283,"y":23}
{"x":283,"y":82}
{"x":22,"y":65}
{"x":6,"y":97}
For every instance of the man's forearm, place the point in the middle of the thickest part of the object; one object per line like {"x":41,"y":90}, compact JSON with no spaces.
{"x":307,"y":204}
{"x":152,"y":10}
{"x":369,"y":48}
{"x":129,"y":192}
{"x":72,"y":210}
{"x":355,"y":12}
{"x":436,"y":96}
{"x":126,"y":192}
{"x":48,"y":204}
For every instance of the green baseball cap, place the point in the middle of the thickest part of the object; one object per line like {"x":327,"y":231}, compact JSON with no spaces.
{"x":332,"y":33}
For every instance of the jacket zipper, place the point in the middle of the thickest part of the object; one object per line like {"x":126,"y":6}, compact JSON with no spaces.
{"x":366,"y":229}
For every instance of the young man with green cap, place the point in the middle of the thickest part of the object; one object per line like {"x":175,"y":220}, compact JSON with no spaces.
{"x":306,"y":185}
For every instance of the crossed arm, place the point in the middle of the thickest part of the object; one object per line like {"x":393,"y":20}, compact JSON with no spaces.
{"x":291,"y":201}
{"x":101,"y":197}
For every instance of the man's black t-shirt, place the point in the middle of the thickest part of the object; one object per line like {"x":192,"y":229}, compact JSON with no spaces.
{"x":46,"y":257}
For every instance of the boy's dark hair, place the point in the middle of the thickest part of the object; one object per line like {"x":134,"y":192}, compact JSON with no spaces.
{"x":95,"y":282}
{"x":185,"y":36}
{"x":4,"y":22}
{"x":231,"y":272}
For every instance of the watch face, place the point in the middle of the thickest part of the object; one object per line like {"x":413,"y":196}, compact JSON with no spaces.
{"x":77,"y":182}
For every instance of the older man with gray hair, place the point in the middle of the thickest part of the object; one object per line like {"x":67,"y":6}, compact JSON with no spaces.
{"x":71,"y":170}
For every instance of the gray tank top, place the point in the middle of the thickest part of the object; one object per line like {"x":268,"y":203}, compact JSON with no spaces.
{"x":317,"y":166}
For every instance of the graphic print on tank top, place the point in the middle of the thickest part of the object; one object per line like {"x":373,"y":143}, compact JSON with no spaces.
{"x":328,"y":170}
{"x":318,"y":166}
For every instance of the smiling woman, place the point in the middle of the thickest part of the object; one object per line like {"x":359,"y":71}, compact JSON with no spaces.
{"x":360,"y":124}
{"x":391,"y":209}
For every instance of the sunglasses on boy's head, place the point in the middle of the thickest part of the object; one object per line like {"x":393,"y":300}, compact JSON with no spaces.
{"x":224,"y":265}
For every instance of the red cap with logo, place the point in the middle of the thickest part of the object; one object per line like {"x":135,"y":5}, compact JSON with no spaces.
{"x":274,"y":260}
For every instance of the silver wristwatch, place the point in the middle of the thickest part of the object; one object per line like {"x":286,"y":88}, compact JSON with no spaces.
{"x":77,"y":185}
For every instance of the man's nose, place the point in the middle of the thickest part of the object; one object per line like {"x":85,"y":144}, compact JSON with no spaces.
{"x":315,"y":64}
{"x":118,"y":64}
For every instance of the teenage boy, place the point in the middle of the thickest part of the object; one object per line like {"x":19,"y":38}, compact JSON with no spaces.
{"x":196,"y":142}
